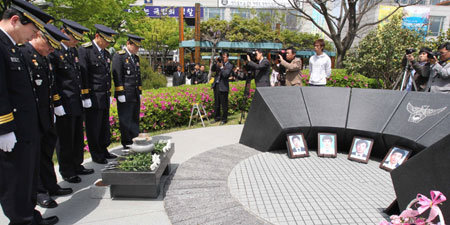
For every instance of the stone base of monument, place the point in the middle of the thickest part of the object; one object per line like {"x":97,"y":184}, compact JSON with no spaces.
{"x":142,"y":184}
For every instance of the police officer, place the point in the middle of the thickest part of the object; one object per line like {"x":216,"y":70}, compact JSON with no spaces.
{"x":95,"y":64}
{"x":35,"y":53}
{"x":19,"y":125}
{"x":127,"y":80}
{"x":69,"y":114}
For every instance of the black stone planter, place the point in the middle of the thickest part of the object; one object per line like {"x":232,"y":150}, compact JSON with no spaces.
{"x":138,"y":184}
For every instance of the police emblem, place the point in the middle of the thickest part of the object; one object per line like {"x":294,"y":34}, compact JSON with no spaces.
{"x":417,"y":113}
{"x":38,"y":82}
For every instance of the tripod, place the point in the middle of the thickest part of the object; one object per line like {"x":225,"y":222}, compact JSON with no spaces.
{"x":410,"y":77}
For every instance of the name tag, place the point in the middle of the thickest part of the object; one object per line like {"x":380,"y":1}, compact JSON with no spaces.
{"x":15,"y":59}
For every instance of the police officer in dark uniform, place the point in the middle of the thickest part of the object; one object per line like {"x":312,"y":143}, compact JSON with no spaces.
{"x":95,"y":63}
{"x":19,"y":123}
{"x":127,"y":80}
{"x":69,"y":114}
{"x":35,"y":53}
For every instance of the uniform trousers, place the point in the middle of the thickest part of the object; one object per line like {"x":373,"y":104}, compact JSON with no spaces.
{"x":47,"y":178}
{"x":220,"y":100}
{"x":19,"y":174}
{"x":128,"y":121}
{"x":98,"y":132}
{"x":70,"y":144}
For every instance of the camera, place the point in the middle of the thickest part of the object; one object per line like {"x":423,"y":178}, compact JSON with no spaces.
{"x":431,"y":55}
{"x":252,"y":55}
{"x":274,"y":54}
{"x":410,"y":51}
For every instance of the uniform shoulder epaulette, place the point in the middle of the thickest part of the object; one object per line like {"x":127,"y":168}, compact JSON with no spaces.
{"x":121,"y":52}
{"x":87,"y":44}
{"x":20,"y":44}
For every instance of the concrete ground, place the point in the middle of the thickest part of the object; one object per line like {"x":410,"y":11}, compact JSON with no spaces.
{"x":80,"y":208}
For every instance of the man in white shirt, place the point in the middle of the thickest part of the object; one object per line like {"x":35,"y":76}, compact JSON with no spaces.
{"x":319,"y":65}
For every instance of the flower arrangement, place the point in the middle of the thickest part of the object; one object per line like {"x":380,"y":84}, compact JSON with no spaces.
{"x":147,"y":161}
{"x":423,"y":203}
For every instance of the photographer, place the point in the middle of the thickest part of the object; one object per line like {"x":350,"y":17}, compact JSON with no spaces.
{"x":262,"y":68}
{"x":223,"y":69}
{"x":439,"y":80}
{"x":293,"y":67}
{"x":418,"y":70}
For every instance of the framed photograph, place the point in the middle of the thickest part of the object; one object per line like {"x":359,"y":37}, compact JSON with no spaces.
{"x":327,"y":146}
{"x":297,"y":145}
{"x":360,"y":149}
{"x":395,"y":157}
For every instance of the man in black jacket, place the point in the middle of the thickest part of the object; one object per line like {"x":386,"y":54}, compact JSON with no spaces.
{"x":35,"y":53}
{"x":178,"y":77}
{"x":221,"y":87}
{"x":262,"y":69}
{"x":19,"y":122}
{"x":127,"y":80}
{"x":95,"y":64}
{"x":73,"y":95}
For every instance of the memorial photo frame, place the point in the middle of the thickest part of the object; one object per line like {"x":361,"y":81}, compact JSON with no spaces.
{"x":327,"y":144}
{"x":360,"y":149}
{"x":395,"y":157}
{"x":297,"y":146}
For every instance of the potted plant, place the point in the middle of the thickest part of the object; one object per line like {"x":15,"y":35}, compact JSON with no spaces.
{"x":138,"y":174}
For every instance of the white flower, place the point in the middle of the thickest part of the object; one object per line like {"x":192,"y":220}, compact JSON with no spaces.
{"x":156,"y":159}
{"x":153,"y":166}
{"x":165,"y":149}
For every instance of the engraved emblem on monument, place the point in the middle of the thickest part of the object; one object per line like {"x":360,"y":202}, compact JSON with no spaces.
{"x":417,"y":114}
{"x":224,"y":2}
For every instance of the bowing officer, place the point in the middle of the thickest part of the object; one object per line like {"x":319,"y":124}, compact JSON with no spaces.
{"x":35,"y":53}
{"x":19,"y":123}
{"x":127,"y":80}
{"x":95,"y":63}
{"x":69,"y":114}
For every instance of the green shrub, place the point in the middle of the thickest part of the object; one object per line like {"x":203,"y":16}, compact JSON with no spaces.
{"x":151,"y":79}
{"x":341,"y":78}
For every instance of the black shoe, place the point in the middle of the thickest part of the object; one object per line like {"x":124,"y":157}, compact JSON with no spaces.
{"x":73,"y":179}
{"x":100,"y":161}
{"x":61,"y":192}
{"x":44,"y":201}
{"x":110,"y":156}
{"x":85,"y":171}
{"x":49,"y":220}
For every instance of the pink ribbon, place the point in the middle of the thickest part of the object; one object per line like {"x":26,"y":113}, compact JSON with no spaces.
{"x":425,"y":203}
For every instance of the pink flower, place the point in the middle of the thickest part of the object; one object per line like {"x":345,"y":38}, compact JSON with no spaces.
{"x":163,"y":107}
{"x":141,"y":115}
{"x":234,"y":89}
{"x":345,"y":78}
{"x":171,"y":108}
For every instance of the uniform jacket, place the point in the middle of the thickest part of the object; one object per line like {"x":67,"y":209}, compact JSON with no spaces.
{"x":43,"y":83}
{"x":95,"y":69}
{"x":262,"y":75}
{"x":222,"y":76}
{"x":178,"y":80}
{"x":127,"y":76}
{"x":293,"y":72}
{"x":68,"y":81}
{"x":18,"y":109}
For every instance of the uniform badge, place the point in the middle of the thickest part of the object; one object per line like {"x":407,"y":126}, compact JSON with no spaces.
{"x":126,"y":60}
{"x":108,"y":60}
{"x":50,"y":67}
{"x":99,"y":57}
{"x":62,"y":57}
{"x":34,"y":55}
{"x":35,"y":62}
{"x":38,"y":82}
{"x":65,"y":55}
{"x":128,"y":72}
{"x":13,"y":50}
{"x":15,"y":59}
{"x":76,"y":59}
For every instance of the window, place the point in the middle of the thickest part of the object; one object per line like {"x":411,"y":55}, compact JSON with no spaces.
{"x":434,"y":2}
{"x":244,"y":13}
{"x":436,"y":23}
{"x":213,"y":13}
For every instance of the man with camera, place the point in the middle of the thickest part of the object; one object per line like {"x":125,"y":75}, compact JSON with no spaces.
{"x":417,"y":69}
{"x":293,"y":67}
{"x":262,"y":68}
{"x":439,"y":80}
{"x":221,"y":87}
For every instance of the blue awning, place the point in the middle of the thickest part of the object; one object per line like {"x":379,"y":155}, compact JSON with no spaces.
{"x":232,"y":45}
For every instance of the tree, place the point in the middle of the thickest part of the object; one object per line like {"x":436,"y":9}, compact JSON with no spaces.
{"x":301,"y":40}
{"x":342,"y":28}
{"x":379,"y":55}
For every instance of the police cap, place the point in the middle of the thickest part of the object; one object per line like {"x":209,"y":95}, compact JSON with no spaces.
{"x":54,"y":36}
{"x":135,"y":39}
{"x":32,"y":13}
{"x":106,"y":32}
{"x":74,"y":28}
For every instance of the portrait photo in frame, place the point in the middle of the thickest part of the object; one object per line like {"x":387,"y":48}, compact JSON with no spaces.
{"x":360,"y":149}
{"x":327,"y":146}
{"x":297,"y":146}
{"x":395,"y":157}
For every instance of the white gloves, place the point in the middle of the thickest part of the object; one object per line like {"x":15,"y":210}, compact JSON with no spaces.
{"x":87,"y":103}
{"x":59,"y":111}
{"x":121,"y":98}
{"x":7,"y":141}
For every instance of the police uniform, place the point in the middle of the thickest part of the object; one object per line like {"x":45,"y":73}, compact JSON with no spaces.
{"x":127,"y":82}
{"x":70,"y":89}
{"x":95,"y":66}
{"x":19,"y":115}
